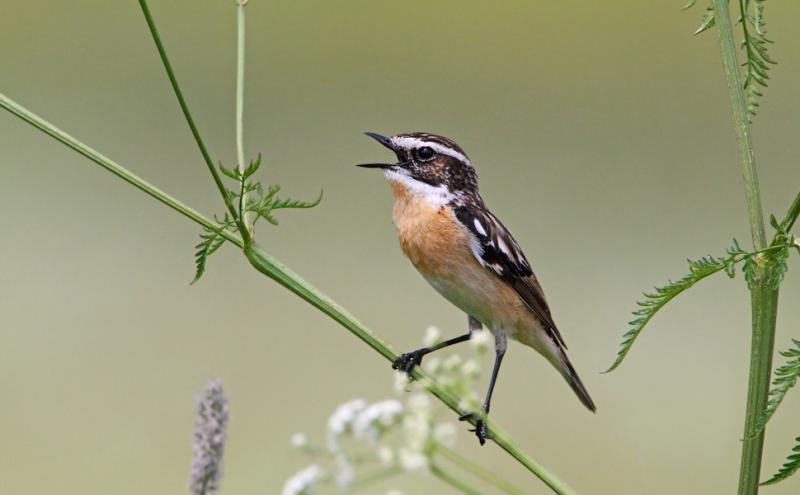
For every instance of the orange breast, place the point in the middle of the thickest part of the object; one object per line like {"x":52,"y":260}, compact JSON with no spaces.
{"x":439,"y":247}
{"x":429,"y":234}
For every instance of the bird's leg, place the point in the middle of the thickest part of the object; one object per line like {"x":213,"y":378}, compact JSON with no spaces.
{"x":406,"y":362}
{"x":481,"y":431}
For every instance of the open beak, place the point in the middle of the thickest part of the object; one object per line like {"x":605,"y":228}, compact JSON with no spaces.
{"x":384,"y":141}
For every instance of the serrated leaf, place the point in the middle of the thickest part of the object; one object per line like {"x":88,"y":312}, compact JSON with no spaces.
{"x":654,"y":301}
{"x":789,"y":467}
{"x":707,"y":22}
{"x":294,"y":203}
{"x":785,"y":378}
{"x":232,"y":173}
{"x":754,"y":44}
{"x":750,"y":271}
{"x":252,"y":167}
{"x":210,"y":241}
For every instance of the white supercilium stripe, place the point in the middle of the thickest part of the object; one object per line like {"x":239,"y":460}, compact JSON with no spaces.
{"x":412,"y":143}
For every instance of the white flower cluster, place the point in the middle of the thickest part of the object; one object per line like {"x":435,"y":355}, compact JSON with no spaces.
{"x":303,"y":481}
{"x":390,"y":433}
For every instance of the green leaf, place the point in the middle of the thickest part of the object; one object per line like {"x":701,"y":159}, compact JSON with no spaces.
{"x":654,"y":301}
{"x":252,"y":167}
{"x":294,"y":203}
{"x":789,"y":467}
{"x":707,"y":22}
{"x":210,"y":241}
{"x":785,"y":378}
{"x":754,"y":44}
{"x":232,"y":173}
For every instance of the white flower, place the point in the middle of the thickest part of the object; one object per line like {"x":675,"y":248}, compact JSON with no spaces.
{"x":401,"y":381}
{"x":432,"y":365}
{"x":371,"y":421}
{"x":299,"y":440}
{"x":445,"y":434}
{"x":452,"y":363}
{"x":341,"y":421}
{"x":471,"y":369}
{"x":385,"y":455}
{"x":481,"y":340}
{"x":432,"y":336}
{"x":345,"y":474}
{"x":302,"y":481}
{"x":417,"y":423}
{"x":411,"y":460}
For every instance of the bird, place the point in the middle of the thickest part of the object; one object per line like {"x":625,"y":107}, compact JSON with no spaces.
{"x":466,"y":253}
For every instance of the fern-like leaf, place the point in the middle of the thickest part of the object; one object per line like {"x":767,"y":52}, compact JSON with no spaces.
{"x":210,"y":241}
{"x":708,"y":20}
{"x":755,"y":44}
{"x":654,"y":301}
{"x":294,"y":203}
{"x":785,"y":378}
{"x":789,"y":467}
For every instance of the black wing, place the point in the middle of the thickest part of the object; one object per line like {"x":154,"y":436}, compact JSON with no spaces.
{"x":495,"y":248}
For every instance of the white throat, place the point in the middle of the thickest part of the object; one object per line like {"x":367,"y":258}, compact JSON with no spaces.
{"x":435,"y":195}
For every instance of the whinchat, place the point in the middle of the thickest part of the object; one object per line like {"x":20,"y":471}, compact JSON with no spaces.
{"x":468,"y":256}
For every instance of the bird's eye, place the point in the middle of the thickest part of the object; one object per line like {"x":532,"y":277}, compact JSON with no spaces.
{"x":425,"y":153}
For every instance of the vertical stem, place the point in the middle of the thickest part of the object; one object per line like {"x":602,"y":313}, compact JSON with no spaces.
{"x":730,"y":61}
{"x":764,"y":300}
{"x":188,"y":116}
{"x":240,"y":38}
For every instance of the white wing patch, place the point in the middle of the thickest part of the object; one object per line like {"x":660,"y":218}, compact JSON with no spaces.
{"x":479,"y":227}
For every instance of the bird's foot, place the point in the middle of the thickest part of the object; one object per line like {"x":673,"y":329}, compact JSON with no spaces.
{"x":481,"y":430}
{"x":406,"y":362}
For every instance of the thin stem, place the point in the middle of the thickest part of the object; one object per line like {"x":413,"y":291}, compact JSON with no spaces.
{"x":188,"y":115}
{"x":763,"y":300}
{"x":370,"y":479}
{"x":277,"y":271}
{"x":478,"y":470}
{"x":730,"y":61}
{"x":240,"y":39}
{"x":451,"y":480}
{"x":791,"y":214}
{"x":112,"y":167}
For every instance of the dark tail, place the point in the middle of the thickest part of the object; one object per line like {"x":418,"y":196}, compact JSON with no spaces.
{"x":575,"y":382}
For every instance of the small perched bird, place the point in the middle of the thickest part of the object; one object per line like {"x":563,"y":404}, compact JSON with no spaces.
{"x":468,"y":256}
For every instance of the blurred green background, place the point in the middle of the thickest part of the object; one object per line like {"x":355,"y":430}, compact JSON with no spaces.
{"x":602,"y":135}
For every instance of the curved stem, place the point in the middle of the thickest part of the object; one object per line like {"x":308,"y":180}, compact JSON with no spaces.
{"x":478,"y":470}
{"x":451,"y":480}
{"x":188,"y":115}
{"x":273,"y":268}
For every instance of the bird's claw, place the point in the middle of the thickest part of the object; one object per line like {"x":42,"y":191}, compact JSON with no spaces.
{"x":406,"y":362}
{"x":481,"y":430}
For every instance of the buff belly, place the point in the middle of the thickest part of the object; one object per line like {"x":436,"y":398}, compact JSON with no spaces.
{"x":438,"y":245}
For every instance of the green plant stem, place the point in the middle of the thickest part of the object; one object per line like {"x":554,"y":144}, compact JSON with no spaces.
{"x":370,"y":479}
{"x":764,"y":300}
{"x":478,"y":470}
{"x":271,"y":267}
{"x":791,"y":214}
{"x":188,"y":115}
{"x":113,"y":167}
{"x":240,"y":39}
{"x":451,"y":480}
